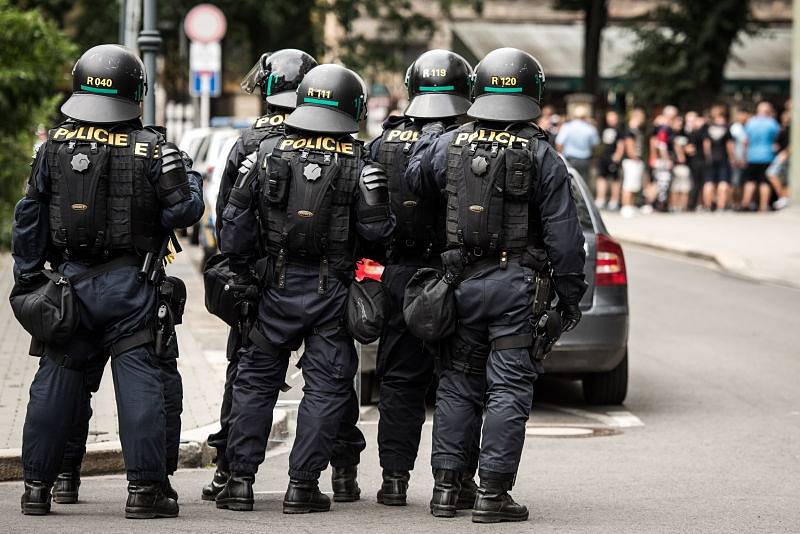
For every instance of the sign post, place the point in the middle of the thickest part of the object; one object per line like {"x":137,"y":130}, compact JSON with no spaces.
{"x":205,"y":26}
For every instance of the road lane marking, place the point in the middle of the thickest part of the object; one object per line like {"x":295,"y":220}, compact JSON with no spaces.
{"x":625,"y":419}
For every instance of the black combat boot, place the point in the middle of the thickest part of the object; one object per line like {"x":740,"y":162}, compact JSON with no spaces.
{"x":168,"y":490}
{"x":495,"y":505}
{"x":237,"y":493}
{"x":446,"y":486}
{"x":394,"y":488}
{"x":36,"y":499}
{"x":468,"y":492}
{"x":212,"y":489}
{"x":146,"y":500}
{"x":65,"y":488}
{"x":303,"y":496}
{"x":344,"y":481}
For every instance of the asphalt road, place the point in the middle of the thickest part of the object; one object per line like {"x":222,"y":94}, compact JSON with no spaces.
{"x":708,"y":440}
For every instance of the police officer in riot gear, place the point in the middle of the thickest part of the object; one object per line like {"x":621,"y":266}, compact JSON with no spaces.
{"x":509,"y":214}
{"x":438,"y":84}
{"x":66,"y":486}
{"x":308,"y":200}
{"x":103,"y":194}
{"x":278,"y":75}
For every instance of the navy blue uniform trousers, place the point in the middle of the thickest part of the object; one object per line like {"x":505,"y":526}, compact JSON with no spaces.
{"x":113,"y":305}
{"x":75,"y":449}
{"x":405,"y":370}
{"x":491,"y":303}
{"x":328,"y":412}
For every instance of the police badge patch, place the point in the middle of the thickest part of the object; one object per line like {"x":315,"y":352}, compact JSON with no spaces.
{"x":312,"y":172}
{"x":80,"y":162}
{"x":479,"y":165}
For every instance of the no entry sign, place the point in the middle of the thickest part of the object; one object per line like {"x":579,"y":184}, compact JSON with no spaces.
{"x":205,"y":23}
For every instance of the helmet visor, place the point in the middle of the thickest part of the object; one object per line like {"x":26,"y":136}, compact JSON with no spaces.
{"x":253,"y":78}
{"x":99,"y":108}
{"x":437,"y":106}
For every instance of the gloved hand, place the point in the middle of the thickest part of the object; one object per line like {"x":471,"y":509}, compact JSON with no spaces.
{"x":570,"y":315}
{"x":245,"y":284}
{"x":435,"y":127}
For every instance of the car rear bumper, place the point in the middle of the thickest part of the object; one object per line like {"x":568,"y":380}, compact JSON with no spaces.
{"x":598,"y":343}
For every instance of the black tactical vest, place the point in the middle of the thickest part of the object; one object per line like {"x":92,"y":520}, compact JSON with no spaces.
{"x":102,"y":201}
{"x":262,"y":128}
{"x":307,"y":189}
{"x":489,"y":185}
{"x":415,"y":233}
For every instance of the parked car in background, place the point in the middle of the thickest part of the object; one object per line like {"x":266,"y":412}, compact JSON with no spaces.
{"x":207,"y":234}
{"x":206,"y":147}
{"x":596,"y":351}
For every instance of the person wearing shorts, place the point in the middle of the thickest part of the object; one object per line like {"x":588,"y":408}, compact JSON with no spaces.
{"x":718,"y":147}
{"x":681,"y":184}
{"x":613,"y":148}
{"x":762,"y":130}
{"x":633,"y":164}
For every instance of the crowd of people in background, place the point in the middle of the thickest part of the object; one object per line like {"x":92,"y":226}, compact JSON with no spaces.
{"x":677,"y":162}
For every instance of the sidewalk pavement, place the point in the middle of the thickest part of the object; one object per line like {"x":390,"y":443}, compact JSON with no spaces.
{"x":202,"y":339}
{"x":764,"y":247}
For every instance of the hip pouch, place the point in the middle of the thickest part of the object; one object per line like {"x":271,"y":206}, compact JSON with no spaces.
{"x":367,"y":310}
{"x":46,"y":305}
{"x":219,"y":301}
{"x":429,"y":306}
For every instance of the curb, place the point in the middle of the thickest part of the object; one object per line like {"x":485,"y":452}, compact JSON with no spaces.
{"x":731,"y":266}
{"x":105,"y":458}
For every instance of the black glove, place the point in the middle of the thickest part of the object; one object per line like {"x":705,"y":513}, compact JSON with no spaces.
{"x":246,"y":285}
{"x":570,"y":315}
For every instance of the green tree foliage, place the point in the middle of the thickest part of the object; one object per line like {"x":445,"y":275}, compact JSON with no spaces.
{"x":681,"y":56}
{"x":34,"y":58}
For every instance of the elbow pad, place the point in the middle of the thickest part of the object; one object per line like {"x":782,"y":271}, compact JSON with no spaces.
{"x":173,"y":184}
{"x":373,"y":205}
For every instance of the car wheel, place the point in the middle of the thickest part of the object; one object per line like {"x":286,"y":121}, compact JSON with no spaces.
{"x":367,"y":387}
{"x":610,"y":387}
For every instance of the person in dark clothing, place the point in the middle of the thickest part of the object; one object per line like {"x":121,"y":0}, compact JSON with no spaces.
{"x":310,"y":198}
{"x":608,"y":166}
{"x":695,"y":129}
{"x":718,"y":148}
{"x":277,"y":75}
{"x":102,"y":156}
{"x":508,"y":203}
{"x":438,"y":90}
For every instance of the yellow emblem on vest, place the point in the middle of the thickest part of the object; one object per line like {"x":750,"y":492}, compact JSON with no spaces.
{"x":475,"y":208}
{"x":327,"y":144}
{"x":483,"y":135}
{"x":270,"y":120}
{"x":402,"y":135}
{"x":91,"y":133}
{"x":79,"y":207}
{"x":305,"y":214}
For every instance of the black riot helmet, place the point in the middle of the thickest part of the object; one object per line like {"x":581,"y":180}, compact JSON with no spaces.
{"x":278,"y":74}
{"x":330,"y":99}
{"x":508,"y":87}
{"x":439,"y":84}
{"x":108,"y":84}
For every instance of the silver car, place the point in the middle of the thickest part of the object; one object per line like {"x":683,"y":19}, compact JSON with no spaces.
{"x":596,"y":351}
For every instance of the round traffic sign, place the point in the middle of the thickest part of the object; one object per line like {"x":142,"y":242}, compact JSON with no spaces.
{"x":205,"y":23}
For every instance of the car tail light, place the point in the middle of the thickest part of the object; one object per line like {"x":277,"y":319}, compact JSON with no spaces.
{"x":610,"y":263}
{"x":367,"y":268}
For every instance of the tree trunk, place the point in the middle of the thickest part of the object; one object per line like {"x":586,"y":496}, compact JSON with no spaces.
{"x":596,"y":17}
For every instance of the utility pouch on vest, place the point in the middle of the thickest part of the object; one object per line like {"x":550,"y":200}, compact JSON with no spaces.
{"x":277,"y":187}
{"x":83,"y":198}
{"x":518,"y":167}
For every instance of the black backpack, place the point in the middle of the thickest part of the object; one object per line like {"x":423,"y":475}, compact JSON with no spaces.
{"x":429,"y":306}
{"x":219,"y":301}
